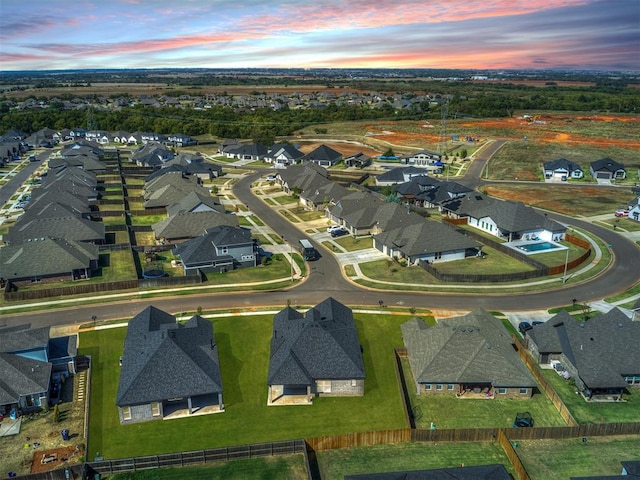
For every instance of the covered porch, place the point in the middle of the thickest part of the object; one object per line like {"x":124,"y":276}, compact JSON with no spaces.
{"x":191,"y":406}
{"x":289,"y":395}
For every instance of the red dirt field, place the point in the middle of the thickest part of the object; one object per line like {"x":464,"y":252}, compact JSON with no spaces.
{"x":63,"y":456}
{"x":543,"y":133}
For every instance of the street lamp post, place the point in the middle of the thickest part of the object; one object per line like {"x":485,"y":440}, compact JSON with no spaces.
{"x":291,"y":260}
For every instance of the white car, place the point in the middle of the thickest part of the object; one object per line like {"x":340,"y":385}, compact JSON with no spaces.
{"x":334,"y":227}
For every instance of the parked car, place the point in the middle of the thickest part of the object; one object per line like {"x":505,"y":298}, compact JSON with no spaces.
{"x":337,"y":232}
{"x":524,"y":326}
{"x":621,"y":213}
{"x":536,"y":322}
{"x":334,"y":227}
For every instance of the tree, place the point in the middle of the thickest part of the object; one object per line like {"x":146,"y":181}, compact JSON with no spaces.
{"x":389,"y":153}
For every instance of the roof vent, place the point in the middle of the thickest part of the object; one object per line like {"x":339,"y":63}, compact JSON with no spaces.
{"x":620,"y":325}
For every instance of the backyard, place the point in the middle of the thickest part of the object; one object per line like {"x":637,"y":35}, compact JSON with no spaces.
{"x":244,"y":356}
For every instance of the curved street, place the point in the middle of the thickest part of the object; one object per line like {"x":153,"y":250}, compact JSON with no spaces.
{"x":326,"y":279}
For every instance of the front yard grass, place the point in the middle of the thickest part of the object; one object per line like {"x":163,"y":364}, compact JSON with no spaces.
{"x":568,"y":458}
{"x":448,"y":411}
{"x":352,"y":244}
{"x":244,"y":357}
{"x":335,"y":464}
{"x":595,"y":412}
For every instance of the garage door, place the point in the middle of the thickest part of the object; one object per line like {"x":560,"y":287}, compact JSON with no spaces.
{"x":603,"y":175}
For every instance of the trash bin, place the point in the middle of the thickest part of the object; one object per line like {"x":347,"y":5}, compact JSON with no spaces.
{"x":65,"y":434}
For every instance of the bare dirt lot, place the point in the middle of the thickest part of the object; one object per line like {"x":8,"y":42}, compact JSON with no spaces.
{"x":39,"y":435}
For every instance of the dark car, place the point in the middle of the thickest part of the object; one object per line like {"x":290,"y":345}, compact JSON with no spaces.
{"x":524,"y":326}
{"x":337,"y":232}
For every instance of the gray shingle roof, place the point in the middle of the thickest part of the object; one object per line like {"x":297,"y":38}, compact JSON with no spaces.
{"x":164,"y":360}
{"x":323,"y":153}
{"x":602,"y":349}
{"x":472,"y":348}
{"x":606,"y":164}
{"x":195,"y":201}
{"x":562,"y":163}
{"x":23,"y":337}
{"x":22,"y":376}
{"x":401,"y":174}
{"x":425,"y":237}
{"x":203,"y":248}
{"x":44,"y":257}
{"x":72,"y":228}
{"x":321,"y":344}
{"x":191,"y":224}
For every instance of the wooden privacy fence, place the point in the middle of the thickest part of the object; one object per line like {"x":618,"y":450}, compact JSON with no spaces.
{"x":359,"y":439}
{"x":512,"y":455}
{"x":544,"y":385}
{"x":198,"y":457}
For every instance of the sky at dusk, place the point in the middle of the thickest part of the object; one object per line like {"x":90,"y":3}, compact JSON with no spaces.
{"x":465,"y":34}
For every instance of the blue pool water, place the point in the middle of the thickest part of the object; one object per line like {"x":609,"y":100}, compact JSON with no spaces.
{"x":538,"y":247}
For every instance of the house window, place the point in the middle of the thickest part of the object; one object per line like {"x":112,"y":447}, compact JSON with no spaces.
{"x":354,"y":383}
{"x":155,"y":409}
{"x":439,"y":386}
{"x":126,"y":413}
{"x":502,"y":390}
{"x":324,"y":386}
{"x":437,"y":255}
{"x":224,"y":250}
{"x":523,"y":391}
{"x":427,"y":386}
{"x":450,"y":386}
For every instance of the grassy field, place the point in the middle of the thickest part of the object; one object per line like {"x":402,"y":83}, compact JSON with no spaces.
{"x":522,"y":160}
{"x":448,"y":411}
{"x":286,"y":467}
{"x":244,"y":356}
{"x":335,"y":464}
{"x":493,"y":263}
{"x":562,"y":459}
{"x":598,"y":412}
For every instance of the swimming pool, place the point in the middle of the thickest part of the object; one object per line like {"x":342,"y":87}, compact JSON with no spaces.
{"x":538,"y":247}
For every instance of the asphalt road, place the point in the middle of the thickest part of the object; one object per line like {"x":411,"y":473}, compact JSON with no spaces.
{"x":325,"y":279}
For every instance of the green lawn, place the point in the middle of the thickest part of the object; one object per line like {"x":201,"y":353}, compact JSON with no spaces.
{"x":599,"y":412}
{"x":285,"y":199}
{"x":307,"y":215}
{"x":244,"y":356}
{"x":448,"y":411}
{"x":494,"y":262}
{"x":146,"y":219}
{"x":352,"y":244}
{"x":335,"y":464}
{"x":562,"y":459}
{"x":286,"y":467}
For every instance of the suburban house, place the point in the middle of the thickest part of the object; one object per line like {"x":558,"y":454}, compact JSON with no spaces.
{"x":169,"y":189}
{"x":220,"y":249}
{"x":399,"y":175}
{"x":195,"y":202}
{"x":302,"y":178}
{"x":503,"y":218}
{"x":425,"y":240}
{"x":607,"y":169}
{"x":191,"y":164}
{"x":152,"y":154}
{"x":48,"y":260}
{"x":562,"y":169}
{"x":432,"y":161}
{"x":70,"y":228}
{"x":601,"y":355}
{"x":32,"y":367}
{"x":634,"y":209}
{"x":357,"y":160}
{"x":323,"y":156}
{"x":364,"y":213}
{"x":185,"y":225}
{"x":471,"y":356}
{"x":429,"y":192}
{"x":168,"y":369}
{"x":314,"y":354}
{"x":252,"y":151}
{"x":180,"y":140}
{"x":283,"y":154}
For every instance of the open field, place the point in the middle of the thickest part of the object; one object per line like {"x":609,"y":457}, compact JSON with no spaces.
{"x":573,"y":201}
{"x":244,"y":357}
